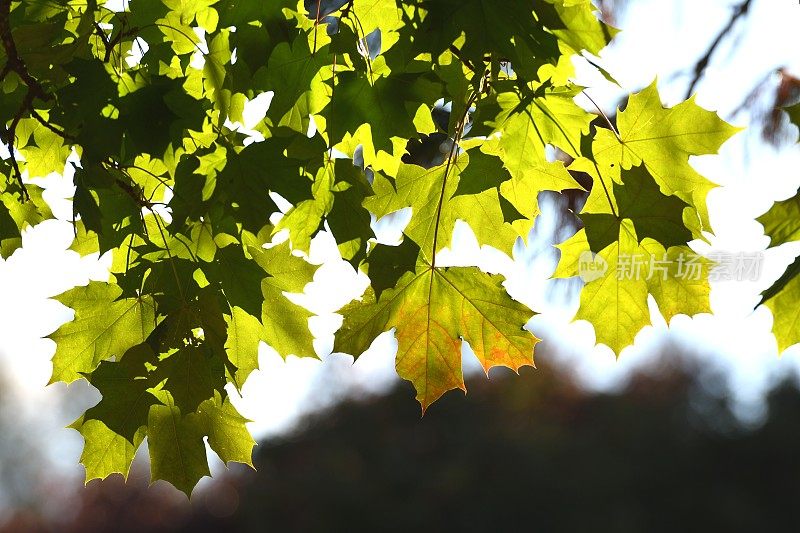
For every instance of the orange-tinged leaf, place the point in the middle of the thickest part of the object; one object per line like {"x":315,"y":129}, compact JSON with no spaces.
{"x":433,"y":310}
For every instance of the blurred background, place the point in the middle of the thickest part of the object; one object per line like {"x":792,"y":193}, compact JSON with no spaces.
{"x":696,"y":426}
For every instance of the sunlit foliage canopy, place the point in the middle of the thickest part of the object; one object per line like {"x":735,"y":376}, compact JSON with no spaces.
{"x":149,"y":96}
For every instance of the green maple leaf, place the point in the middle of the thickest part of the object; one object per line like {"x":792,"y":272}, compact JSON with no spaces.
{"x":571,"y":250}
{"x":388,"y":106}
{"x":677,"y":289}
{"x":432,"y":309}
{"x":384,"y":15}
{"x":529,"y":179}
{"x":227,"y":434}
{"x":189,"y":309}
{"x":617,"y":307}
{"x":575,"y":24}
{"x":114,"y":428}
{"x":781,"y":299}
{"x":305,"y":219}
{"x":177,"y":31}
{"x":46,"y":153}
{"x":614,"y":299}
{"x":125,"y":400}
{"x":177,"y":450}
{"x":347,"y":220}
{"x":294,"y":73}
{"x":286,"y":271}
{"x":239,"y":277}
{"x":215,"y":67}
{"x":106,"y":452}
{"x":782,"y":222}
{"x":433,"y":195}
{"x":535,"y":119}
{"x":639,"y":200}
{"x":664,"y":139}
{"x":782,"y":225}
{"x":17,"y":214}
{"x":104,"y":326}
{"x":279,"y":164}
{"x":510,"y":32}
{"x":387,"y":264}
{"x":285,"y":323}
{"x":192,"y":375}
{"x":482,"y":173}
{"x":245,"y":332}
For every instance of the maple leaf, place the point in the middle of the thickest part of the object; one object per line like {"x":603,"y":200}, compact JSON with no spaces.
{"x":114,"y":428}
{"x":177,"y":450}
{"x":664,"y":139}
{"x":388,"y":106}
{"x":782,"y":222}
{"x":227,"y":434}
{"x":186,"y":201}
{"x":17,"y":215}
{"x":639,"y":200}
{"x":616,"y":306}
{"x":104,"y":326}
{"x":245,"y":332}
{"x":46,"y":153}
{"x":286,"y":323}
{"x":439,"y":196}
{"x":105,"y":452}
{"x":675,"y":291}
{"x":575,"y":24}
{"x":781,"y":299}
{"x":432,"y":309}
{"x":294,"y":74}
{"x":124,"y":386}
{"x":510,"y":32}
{"x":614,"y":299}
{"x":371,"y":15}
{"x":537,"y":118}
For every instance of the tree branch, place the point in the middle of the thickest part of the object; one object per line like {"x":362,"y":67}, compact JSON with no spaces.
{"x":110,"y":43}
{"x":702,"y":63}
{"x":456,"y":52}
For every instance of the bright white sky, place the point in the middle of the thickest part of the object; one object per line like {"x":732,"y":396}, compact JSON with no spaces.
{"x":666,"y":38}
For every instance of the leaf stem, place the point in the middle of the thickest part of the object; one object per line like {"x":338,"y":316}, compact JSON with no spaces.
{"x":453,"y":150}
{"x":619,"y":139}
{"x":603,"y":114}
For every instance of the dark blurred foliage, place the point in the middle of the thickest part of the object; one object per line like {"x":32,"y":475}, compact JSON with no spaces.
{"x":532,"y":453}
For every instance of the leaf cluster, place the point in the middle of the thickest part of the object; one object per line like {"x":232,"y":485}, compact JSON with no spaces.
{"x":453,"y":109}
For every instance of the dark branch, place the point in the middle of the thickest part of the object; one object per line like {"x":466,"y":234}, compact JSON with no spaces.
{"x":131,"y":190}
{"x":456,"y":52}
{"x":15,"y":63}
{"x":702,"y":64}
{"x":61,"y":133}
{"x":110,"y":43}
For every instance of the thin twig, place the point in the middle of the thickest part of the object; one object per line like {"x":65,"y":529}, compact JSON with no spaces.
{"x":701,"y":65}
{"x":619,"y":139}
{"x":61,"y":133}
{"x":603,"y":114}
{"x":316,"y":26}
{"x":453,"y":150}
{"x":456,"y":52}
